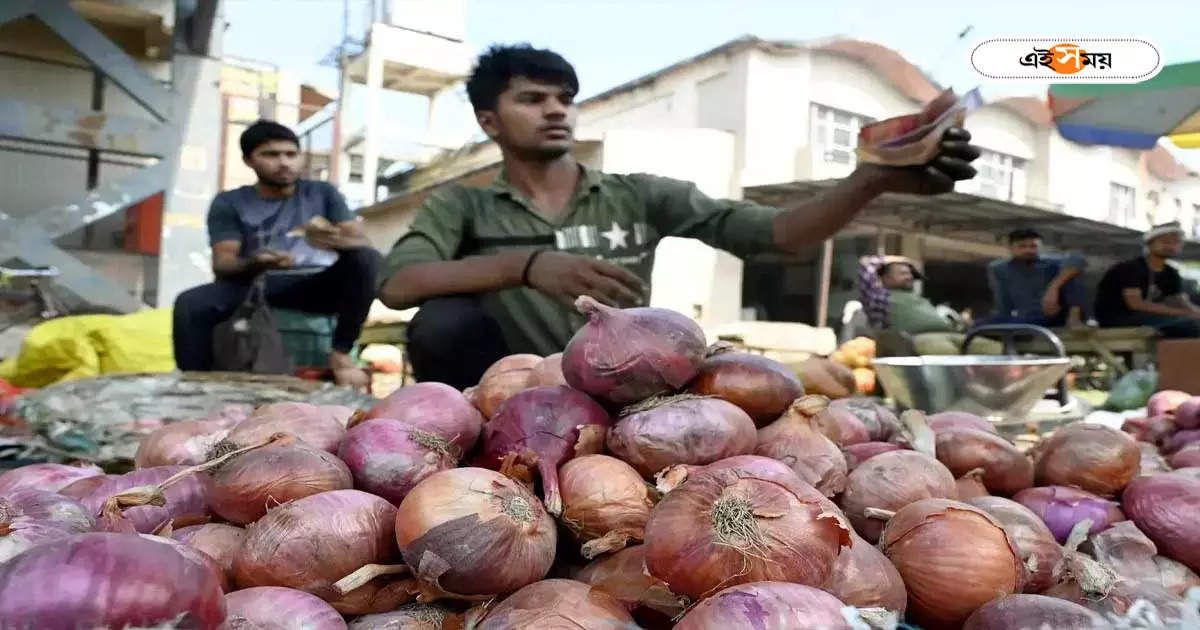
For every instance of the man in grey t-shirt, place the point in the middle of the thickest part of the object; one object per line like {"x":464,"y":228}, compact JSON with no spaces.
{"x":300,"y":234}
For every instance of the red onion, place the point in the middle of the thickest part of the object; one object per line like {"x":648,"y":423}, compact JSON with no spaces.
{"x":389,"y":457}
{"x":502,"y":380}
{"x":1180,"y":439}
{"x":183,"y":443}
{"x":856,"y":454}
{"x":556,"y":604}
{"x":953,"y":557}
{"x":842,"y":426}
{"x":81,"y":488}
{"x":762,"y":387}
{"x":970,"y":485}
{"x":310,"y":543}
{"x":1039,"y":552}
{"x":474,"y":532}
{"x":194,"y":555}
{"x":1033,"y":611}
{"x":280,"y":608}
{"x":1167,"y":509}
{"x":31,"y":517}
{"x":219,"y":541}
{"x":863,"y":577}
{"x":1175,"y":576}
{"x":623,"y":575}
{"x":730,"y":527}
{"x":546,"y":372}
{"x":882,"y":425}
{"x":109,"y":581}
{"x":1166,"y":402}
{"x":1061,"y":508}
{"x":605,"y":503}
{"x":766,"y":606}
{"x":242,"y":489}
{"x":314,"y":425}
{"x":671,"y":477}
{"x":409,"y":617}
{"x":1159,"y":428}
{"x":1187,"y":414}
{"x":795,"y":440}
{"x":682,"y":429}
{"x":544,"y":427}
{"x":1091,"y":457}
{"x":1152,"y":461}
{"x":186,"y":501}
{"x":890,"y":481}
{"x":1006,"y":470}
{"x":434,"y":408}
{"x":959,"y":420}
{"x":1186,"y":457}
{"x":624,"y":356}
{"x":45,"y":477}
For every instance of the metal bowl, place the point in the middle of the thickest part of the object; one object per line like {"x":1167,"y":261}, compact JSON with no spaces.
{"x":1002,"y":389}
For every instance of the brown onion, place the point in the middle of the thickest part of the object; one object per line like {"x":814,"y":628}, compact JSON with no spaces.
{"x":242,"y":489}
{"x":431,"y":407}
{"x":795,"y":440}
{"x":959,"y":420}
{"x":729,"y":527}
{"x":1039,"y":552}
{"x":474,"y":532}
{"x":1015,"y":612}
{"x":762,"y":387}
{"x":682,"y":429}
{"x":1006,"y":470}
{"x":1186,"y":457}
{"x":863,"y":577}
{"x":671,"y":477}
{"x":1061,"y":508}
{"x":45,"y":477}
{"x":547,"y":372}
{"x":504,"y":378}
{"x":389,"y":457}
{"x":970,"y":485}
{"x":553,"y":604}
{"x":1175,"y":576}
{"x":1091,"y":457}
{"x":890,"y":481}
{"x":310,"y":423}
{"x":605,"y":503}
{"x":766,"y":606}
{"x":881,"y":423}
{"x":856,"y":454}
{"x":219,"y":541}
{"x":1167,"y":509}
{"x":623,"y":575}
{"x":183,"y":443}
{"x":953,"y":557}
{"x":409,"y":617}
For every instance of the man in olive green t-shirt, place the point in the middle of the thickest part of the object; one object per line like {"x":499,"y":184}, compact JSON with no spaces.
{"x":495,"y":270}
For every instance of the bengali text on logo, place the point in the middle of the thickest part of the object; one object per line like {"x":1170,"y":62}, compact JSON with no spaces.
{"x":1062,"y":59}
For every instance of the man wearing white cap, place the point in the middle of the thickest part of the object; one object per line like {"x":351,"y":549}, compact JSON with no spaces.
{"x":1146,"y":291}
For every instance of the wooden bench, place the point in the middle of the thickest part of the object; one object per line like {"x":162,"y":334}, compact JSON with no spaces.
{"x":1106,"y":343}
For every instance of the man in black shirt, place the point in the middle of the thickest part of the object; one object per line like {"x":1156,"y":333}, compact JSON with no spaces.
{"x":1146,"y":291}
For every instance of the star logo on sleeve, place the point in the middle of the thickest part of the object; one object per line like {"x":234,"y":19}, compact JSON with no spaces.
{"x":616,"y":236}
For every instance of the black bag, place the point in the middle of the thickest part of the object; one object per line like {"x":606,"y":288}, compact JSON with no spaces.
{"x":249,"y":341}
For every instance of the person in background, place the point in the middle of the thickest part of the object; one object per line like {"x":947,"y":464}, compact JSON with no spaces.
{"x":1029,"y":288}
{"x":298,"y":232}
{"x":495,"y":270}
{"x":1148,"y":291}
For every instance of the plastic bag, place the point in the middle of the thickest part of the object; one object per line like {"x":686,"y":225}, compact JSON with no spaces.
{"x":1132,"y":391}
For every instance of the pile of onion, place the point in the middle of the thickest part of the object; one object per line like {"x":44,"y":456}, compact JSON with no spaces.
{"x":1061,"y":508}
{"x":953,"y":557}
{"x":219,"y":541}
{"x":762,"y":387}
{"x":795,"y":440}
{"x":183,"y":443}
{"x":1035,"y":543}
{"x":283,"y":608}
{"x":625,"y":356}
{"x":104,"y":580}
{"x":431,"y":407}
{"x":474,"y":533}
{"x":1033,"y":611}
{"x":1091,"y":457}
{"x":186,"y":501}
{"x":45,"y":477}
{"x":729,"y":526}
{"x":683,"y":429}
{"x":556,"y":604}
{"x":315,"y":425}
{"x":863,"y":577}
{"x":605,"y":503}
{"x":1166,"y":508}
{"x":1006,"y":470}
{"x":389,"y":457}
{"x":544,"y":427}
{"x":502,"y":380}
{"x":890,"y":481}
{"x":623,"y":575}
{"x":31,"y":517}
{"x":766,"y":606}
{"x":882,"y":425}
{"x":242,"y":489}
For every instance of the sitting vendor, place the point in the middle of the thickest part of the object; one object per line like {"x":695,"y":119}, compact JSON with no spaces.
{"x":300,"y":234}
{"x":495,"y":270}
{"x":1148,"y":291}
{"x":1029,"y":288}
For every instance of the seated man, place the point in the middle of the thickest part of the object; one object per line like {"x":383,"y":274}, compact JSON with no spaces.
{"x":1148,"y":291}
{"x":298,"y":232}
{"x":495,"y":270}
{"x":1029,"y":288}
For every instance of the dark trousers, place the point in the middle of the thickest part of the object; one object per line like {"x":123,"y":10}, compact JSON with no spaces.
{"x":1168,"y":326}
{"x":345,"y":289}
{"x":452,"y":340}
{"x":1073,"y":294}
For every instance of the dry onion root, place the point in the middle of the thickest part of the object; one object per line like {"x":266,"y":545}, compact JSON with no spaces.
{"x":605,"y":503}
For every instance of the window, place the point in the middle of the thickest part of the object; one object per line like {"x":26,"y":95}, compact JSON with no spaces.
{"x":1000,"y":176}
{"x":1121,"y":210}
{"x":835,"y":134}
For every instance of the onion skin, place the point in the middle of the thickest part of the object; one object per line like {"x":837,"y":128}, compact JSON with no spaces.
{"x":473,"y":531}
{"x":623,"y":575}
{"x":311,"y":424}
{"x":31,"y":517}
{"x":1061,"y":508}
{"x":953,"y":557}
{"x":891,"y":481}
{"x":731,"y":527}
{"x":1186,"y":457}
{"x":108,"y":580}
{"x":760,"y":466}
{"x":605,"y":503}
{"x":45,"y":477}
{"x":1174,"y":576}
{"x":881,"y":423}
{"x":196,"y":556}
{"x":1091,"y":457}
{"x":433,"y":407}
{"x":682,"y":430}
{"x":407,"y":617}
{"x":219,"y":541}
{"x":243,"y":488}
{"x":970,"y":486}
{"x":1187,"y":414}
{"x":502,"y":380}
{"x":795,"y":440}
{"x":762,"y":387}
{"x":311,"y":543}
{"x":864,"y":578}
{"x":625,"y":356}
{"x":959,"y":420}
{"x":183,"y":443}
{"x":856,"y":454}
{"x":766,"y":606}
{"x":1031,"y":536}
{"x":282,"y":608}
{"x":1006,"y":470}
{"x":82,"y":487}
{"x":1167,"y":509}
{"x":1152,"y":461}
{"x":186,"y":500}
{"x":1013,"y":612}
{"x":1127,"y":551}
{"x":389,"y":458}
{"x":1166,"y":401}
{"x":557,"y":604}
{"x":547,"y":372}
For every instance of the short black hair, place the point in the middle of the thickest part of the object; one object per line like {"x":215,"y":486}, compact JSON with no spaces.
{"x":1022,"y":234}
{"x":500,"y":63}
{"x":262,"y":132}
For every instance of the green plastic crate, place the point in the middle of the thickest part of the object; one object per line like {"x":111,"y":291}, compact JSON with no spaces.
{"x":307,"y":337}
